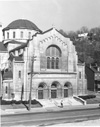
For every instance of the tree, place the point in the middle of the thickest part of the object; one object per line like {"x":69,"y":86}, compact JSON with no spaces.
{"x":88,"y":48}
{"x":84,"y":29}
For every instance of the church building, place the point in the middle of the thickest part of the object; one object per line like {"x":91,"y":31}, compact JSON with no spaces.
{"x":56,"y":71}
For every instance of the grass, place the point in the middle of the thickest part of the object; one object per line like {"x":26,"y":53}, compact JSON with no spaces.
{"x":95,"y":100}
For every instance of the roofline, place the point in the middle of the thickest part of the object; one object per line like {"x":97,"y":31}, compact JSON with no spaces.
{"x":52,"y":29}
{"x":11,"y":41}
{"x":89,"y":68}
{"x":20,"y":47}
{"x":6,"y":28}
{"x":47,"y":30}
{"x":92,"y":69}
{"x":23,"y":46}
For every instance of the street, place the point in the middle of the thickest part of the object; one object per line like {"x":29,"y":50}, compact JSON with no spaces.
{"x":48,"y":118}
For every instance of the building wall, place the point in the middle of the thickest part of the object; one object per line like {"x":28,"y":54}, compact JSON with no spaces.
{"x":18,"y":35}
{"x":90,"y":79}
{"x":0,"y":32}
{"x":68,"y":68}
{"x":49,"y":79}
{"x":67,"y":73}
{"x":82,"y":81}
{"x":2,"y":64}
{"x":18,"y":81}
{"x":40,"y":43}
{"x":7,"y":89}
{"x":0,"y":84}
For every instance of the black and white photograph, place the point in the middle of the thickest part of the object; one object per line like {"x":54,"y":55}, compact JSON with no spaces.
{"x":49,"y":63}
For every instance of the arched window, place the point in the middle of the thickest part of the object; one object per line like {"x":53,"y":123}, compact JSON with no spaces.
{"x":29,"y":35}
{"x":21,"y":34}
{"x":53,"y":63}
{"x":57,"y":63}
{"x":53,"y":54}
{"x":6,"y":90}
{"x":7,"y":35}
{"x":48,"y":62}
{"x":14,"y":35}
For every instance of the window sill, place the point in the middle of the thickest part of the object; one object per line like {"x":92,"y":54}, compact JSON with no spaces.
{"x":53,"y":70}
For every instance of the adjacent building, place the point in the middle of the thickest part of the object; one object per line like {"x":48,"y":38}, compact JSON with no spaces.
{"x":3,"y":58}
{"x":93,"y":78}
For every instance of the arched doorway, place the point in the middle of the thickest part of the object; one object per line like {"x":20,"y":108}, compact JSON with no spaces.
{"x":68,"y":90}
{"x":55,"y":90}
{"x":42,"y":91}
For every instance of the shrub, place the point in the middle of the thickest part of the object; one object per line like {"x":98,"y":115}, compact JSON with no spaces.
{"x":34,"y":102}
{"x":85,"y":97}
{"x":18,"y":102}
{"x":4,"y":102}
{"x":25,"y":102}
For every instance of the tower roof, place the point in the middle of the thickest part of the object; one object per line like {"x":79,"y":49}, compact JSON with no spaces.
{"x":22,"y":24}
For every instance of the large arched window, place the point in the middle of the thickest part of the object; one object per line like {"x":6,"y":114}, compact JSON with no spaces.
{"x":53,"y":54}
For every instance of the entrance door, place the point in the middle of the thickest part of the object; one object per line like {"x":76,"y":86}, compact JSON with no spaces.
{"x":65,"y":92}
{"x":53,"y":93}
{"x":40,"y":94}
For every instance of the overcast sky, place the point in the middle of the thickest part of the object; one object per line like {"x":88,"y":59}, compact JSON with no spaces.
{"x":63,"y":14}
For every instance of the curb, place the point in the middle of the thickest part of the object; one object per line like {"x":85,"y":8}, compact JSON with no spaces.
{"x":50,"y":110}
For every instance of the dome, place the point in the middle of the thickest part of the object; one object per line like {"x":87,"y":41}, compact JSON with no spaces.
{"x":22,"y":24}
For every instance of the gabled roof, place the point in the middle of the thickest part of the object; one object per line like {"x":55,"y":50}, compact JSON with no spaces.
{"x":80,"y":61}
{"x":51,"y":30}
{"x":47,"y":30}
{"x":2,"y":47}
{"x":93,"y":69}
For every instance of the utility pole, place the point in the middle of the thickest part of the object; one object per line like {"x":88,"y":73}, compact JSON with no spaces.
{"x":32,"y":73}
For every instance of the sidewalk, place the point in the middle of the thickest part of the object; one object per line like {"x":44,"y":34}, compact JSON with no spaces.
{"x":49,"y":109}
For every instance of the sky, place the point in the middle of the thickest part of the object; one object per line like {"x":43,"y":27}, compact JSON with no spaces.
{"x":69,"y":15}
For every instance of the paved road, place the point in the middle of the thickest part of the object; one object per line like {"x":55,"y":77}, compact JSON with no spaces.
{"x":48,"y":117}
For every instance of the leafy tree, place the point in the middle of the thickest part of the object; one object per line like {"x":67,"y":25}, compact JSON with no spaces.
{"x":88,"y":48}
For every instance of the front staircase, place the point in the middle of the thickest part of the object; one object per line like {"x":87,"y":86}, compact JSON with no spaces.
{"x":57,"y":102}
{"x":46,"y":103}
